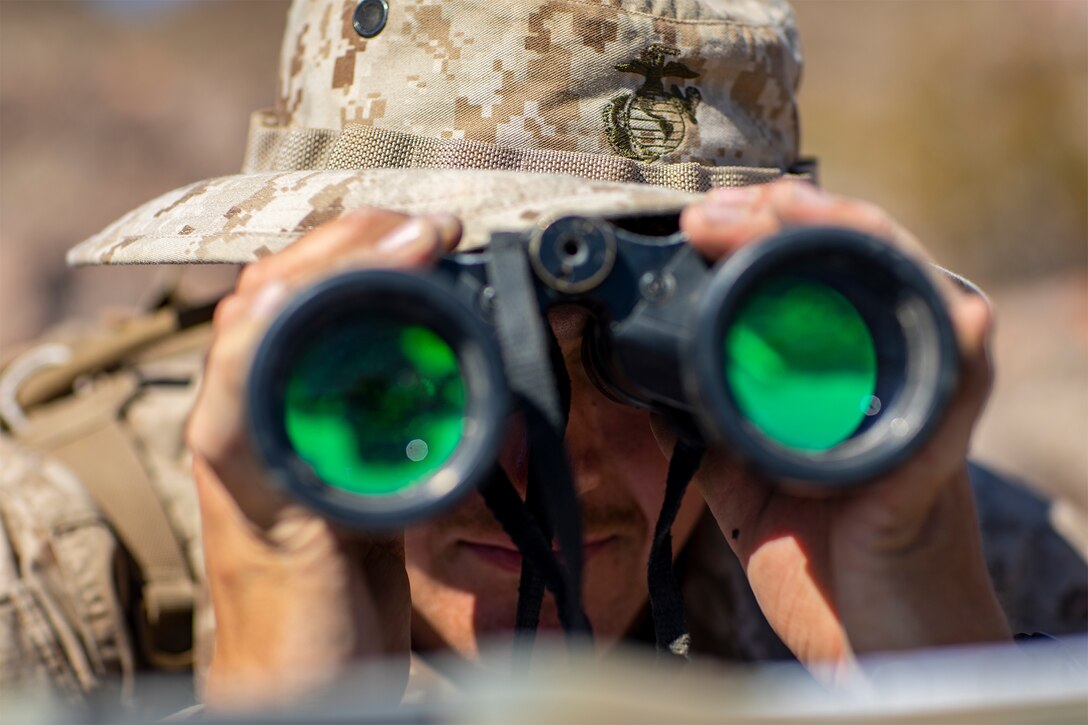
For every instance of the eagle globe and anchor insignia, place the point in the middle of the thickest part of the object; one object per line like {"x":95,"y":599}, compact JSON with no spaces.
{"x":650,"y":122}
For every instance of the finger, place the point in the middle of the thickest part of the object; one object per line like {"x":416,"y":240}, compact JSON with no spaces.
{"x":449,"y":229}
{"x":345,"y":243}
{"x":217,"y":429}
{"x":318,"y":249}
{"x":216,"y":426}
{"x":413,"y":243}
{"x":229,"y":310}
{"x":800,"y":203}
{"x":242,"y":317}
{"x":727,"y":219}
{"x":912,"y":491}
{"x":972,"y":319}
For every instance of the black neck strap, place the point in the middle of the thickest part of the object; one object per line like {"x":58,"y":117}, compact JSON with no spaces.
{"x":670,"y":626}
{"x":539,"y":382}
{"x":546,"y":448}
{"x":533,"y":365}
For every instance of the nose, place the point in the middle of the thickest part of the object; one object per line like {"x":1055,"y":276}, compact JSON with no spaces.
{"x":588,"y":427}
{"x":584,"y":438}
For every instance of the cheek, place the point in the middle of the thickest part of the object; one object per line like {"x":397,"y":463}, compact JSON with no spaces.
{"x":620,"y":472}
{"x":643,"y":468}
{"x":615,"y":454}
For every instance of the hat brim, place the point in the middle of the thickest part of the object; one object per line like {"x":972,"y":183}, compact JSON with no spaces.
{"x":239,"y":219}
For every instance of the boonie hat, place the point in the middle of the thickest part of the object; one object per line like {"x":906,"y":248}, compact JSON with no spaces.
{"x":503,"y":113}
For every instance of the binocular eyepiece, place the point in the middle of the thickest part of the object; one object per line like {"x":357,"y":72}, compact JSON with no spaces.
{"x":822,"y":356}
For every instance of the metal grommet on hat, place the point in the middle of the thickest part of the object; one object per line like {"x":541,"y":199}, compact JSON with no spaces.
{"x":369,"y":17}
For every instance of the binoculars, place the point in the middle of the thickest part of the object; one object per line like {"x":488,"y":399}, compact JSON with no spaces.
{"x":821,"y":356}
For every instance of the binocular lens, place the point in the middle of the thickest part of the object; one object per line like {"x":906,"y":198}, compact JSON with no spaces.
{"x":375,"y":406}
{"x":801,"y":363}
{"x":831,"y":357}
{"x":377,"y":398}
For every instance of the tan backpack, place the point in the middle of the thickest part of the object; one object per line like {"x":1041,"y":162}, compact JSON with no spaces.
{"x":100,"y":560}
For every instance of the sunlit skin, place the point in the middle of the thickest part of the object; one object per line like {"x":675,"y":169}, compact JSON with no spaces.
{"x":463,"y":568}
{"x":298,"y":600}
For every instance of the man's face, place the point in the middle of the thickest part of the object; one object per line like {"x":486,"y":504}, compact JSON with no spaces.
{"x":463,"y":568}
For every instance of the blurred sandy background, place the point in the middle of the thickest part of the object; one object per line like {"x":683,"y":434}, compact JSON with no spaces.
{"x":967,"y":120}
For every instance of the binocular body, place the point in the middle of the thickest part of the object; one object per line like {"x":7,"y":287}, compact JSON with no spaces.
{"x":823,"y":357}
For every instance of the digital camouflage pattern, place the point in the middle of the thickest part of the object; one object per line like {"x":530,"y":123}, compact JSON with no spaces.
{"x":243,"y":218}
{"x":74,"y":589}
{"x":62,"y":622}
{"x":497,"y":92}
{"x":533,"y":74}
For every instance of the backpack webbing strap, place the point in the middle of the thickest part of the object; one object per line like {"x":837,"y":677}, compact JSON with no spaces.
{"x":85,"y":433}
{"x":96,"y":354}
{"x":62,"y":661}
{"x":666,"y":605}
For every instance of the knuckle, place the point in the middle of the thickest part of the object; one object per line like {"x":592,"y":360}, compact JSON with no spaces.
{"x":220,"y":361}
{"x":252,"y":276}
{"x":197,"y":437}
{"x":875,"y":220}
{"x":981,"y":377}
{"x":225,"y":311}
{"x":194,"y":430}
{"x":368,"y":225}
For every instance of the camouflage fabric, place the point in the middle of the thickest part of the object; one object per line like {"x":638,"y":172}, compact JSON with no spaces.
{"x":502,"y":113}
{"x":75,"y":612}
{"x":676,"y":80}
{"x":243,"y":218}
{"x":280,"y":148}
{"x":62,"y":622}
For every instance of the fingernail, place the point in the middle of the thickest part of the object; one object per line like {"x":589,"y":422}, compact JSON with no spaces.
{"x":805,"y":194}
{"x":360,"y":214}
{"x":403,"y":237}
{"x":729,"y":206}
{"x":448,"y":226}
{"x":734,"y":195}
{"x":268,"y":301}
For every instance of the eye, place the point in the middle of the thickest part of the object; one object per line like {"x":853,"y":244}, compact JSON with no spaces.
{"x":369,"y":17}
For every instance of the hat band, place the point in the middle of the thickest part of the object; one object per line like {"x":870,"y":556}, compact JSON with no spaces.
{"x":272,"y":147}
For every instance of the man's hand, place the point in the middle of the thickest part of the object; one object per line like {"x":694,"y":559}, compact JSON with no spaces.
{"x":296,"y":598}
{"x":897,"y":564}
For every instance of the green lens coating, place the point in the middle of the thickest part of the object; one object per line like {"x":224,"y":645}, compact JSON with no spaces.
{"x":801,"y":363}
{"x":376,"y":406}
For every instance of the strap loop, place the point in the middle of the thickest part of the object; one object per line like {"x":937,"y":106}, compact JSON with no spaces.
{"x":85,"y":433}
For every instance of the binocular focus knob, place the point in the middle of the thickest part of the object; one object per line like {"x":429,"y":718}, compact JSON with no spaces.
{"x":573,"y":255}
